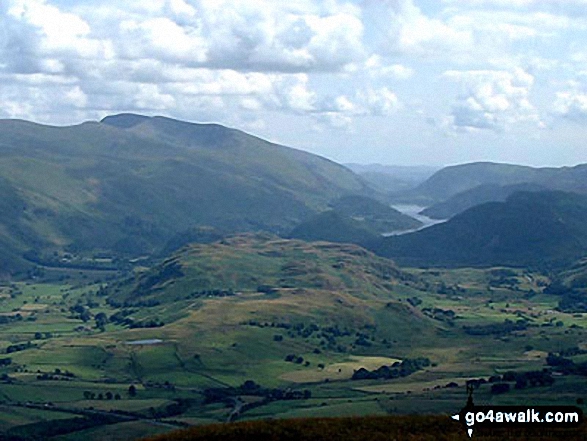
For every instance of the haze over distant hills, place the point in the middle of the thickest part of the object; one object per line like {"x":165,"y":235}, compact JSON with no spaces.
{"x":129,"y":183}
{"x":393,"y":178}
{"x":453,"y":180}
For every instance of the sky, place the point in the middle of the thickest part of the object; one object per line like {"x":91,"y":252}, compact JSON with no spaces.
{"x":400,"y":82}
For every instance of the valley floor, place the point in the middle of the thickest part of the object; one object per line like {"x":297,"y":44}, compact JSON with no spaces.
{"x":67,"y":375}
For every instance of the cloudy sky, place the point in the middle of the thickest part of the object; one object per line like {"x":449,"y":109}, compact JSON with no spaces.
{"x":388,"y":81}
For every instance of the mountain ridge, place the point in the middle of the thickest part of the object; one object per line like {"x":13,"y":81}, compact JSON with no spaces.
{"x":129,"y":184}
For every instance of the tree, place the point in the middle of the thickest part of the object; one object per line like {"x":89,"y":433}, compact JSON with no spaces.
{"x":132,"y":390}
{"x":101,"y":320}
{"x":500,"y":388}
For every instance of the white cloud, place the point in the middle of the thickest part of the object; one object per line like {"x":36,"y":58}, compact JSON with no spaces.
{"x":413,"y":32}
{"x":56,"y":32}
{"x":378,"y":102}
{"x":571,"y":105}
{"x":492,"y":99}
{"x":163,"y":39}
{"x":558,"y":6}
{"x":375,"y":66}
{"x":76,"y":97}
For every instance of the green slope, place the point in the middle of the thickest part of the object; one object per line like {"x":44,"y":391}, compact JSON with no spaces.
{"x":527,"y":229}
{"x":247,"y":262}
{"x":129,"y":184}
{"x":353,"y":219}
{"x":331,"y":226}
{"x":373,"y":214}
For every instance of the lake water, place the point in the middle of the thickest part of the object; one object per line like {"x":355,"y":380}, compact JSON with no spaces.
{"x":414,"y":211}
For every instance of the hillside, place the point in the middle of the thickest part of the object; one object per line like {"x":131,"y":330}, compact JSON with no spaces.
{"x":261,"y":263}
{"x":331,"y":226}
{"x":527,"y":229}
{"x":456,"y":179}
{"x":478,"y":195}
{"x":353,"y":219}
{"x":127,"y":185}
{"x":373,"y":214}
{"x":256,"y":327}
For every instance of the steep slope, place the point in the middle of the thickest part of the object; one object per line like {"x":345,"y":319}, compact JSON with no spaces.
{"x":527,"y":229}
{"x":130,"y":183}
{"x":469,"y":198}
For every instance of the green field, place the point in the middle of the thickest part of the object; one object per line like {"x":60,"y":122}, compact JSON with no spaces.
{"x":66,"y":369}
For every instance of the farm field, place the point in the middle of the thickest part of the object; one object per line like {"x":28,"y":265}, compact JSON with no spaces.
{"x":216,"y":359}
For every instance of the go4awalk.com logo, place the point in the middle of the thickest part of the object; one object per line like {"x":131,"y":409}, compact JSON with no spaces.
{"x":493,"y":417}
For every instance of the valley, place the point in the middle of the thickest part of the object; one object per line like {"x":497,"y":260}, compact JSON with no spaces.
{"x":263,"y":333}
{"x":150,"y":282}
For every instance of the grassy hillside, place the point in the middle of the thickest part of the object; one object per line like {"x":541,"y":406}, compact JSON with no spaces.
{"x":332,"y":226}
{"x":261,"y":264}
{"x":257,"y":327}
{"x":373,"y":214}
{"x":127,"y":185}
{"x":536,"y":228}
{"x":353,"y":219}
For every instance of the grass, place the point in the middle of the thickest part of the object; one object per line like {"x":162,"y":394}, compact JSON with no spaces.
{"x":211,"y":342}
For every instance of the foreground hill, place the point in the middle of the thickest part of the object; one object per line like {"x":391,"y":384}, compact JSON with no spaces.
{"x":527,"y":229}
{"x":460,"y":178}
{"x":128,"y":184}
{"x":264,"y":264}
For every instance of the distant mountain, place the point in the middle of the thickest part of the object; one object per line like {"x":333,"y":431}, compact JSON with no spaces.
{"x":353,"y":219}
{"x":130,"y":183}
{"x":458,"y":178}
{"x":529,"y":228}
{"x":393,"y":178}
{"x":478,"y":195}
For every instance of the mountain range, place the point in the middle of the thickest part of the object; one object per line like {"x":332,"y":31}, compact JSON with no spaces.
{"x":128,"y":184}
{"x":462,"y":186}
